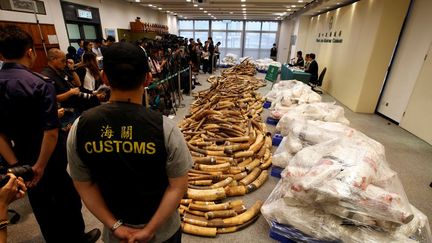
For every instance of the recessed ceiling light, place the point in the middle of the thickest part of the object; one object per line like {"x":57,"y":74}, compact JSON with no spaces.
{"x":150,"y":5}
{"x":209,"y":14}
{"x":337,"y":3}
{"x":188,"y":0}
{"x":195,"y":5}
{"x":243,"y":5}
{"x":289,"y":9}
{"x":181,"y":16}
{"x":293,"y":6}
{"x":137,"y":1}
{"x":243,"y":1}
{"x":243,"y":9}
{"x":200,"y":8}
{"x":167,"y":11}
{"x":205,"y":11}
{"x":231,"y":12}
{"x":300,"y":1}
{"x":160,"y":8}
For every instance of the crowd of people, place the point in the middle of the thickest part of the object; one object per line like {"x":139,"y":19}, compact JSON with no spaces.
{"x":85,"y":108}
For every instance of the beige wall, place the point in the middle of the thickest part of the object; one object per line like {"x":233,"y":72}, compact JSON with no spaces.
{"x":284,"y":45}
{"x":356,"y":67}
{"x":407,"y":61}
{"x":418,"y":115}
{"x":113,"y":13}
{"x":172,"y":24}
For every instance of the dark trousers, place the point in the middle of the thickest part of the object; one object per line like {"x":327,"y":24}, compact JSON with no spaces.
{"x":206,"y":66}
{"x":211,"y":64}
{"x":56,"y":203}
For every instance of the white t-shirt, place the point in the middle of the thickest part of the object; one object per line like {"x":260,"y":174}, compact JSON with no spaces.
{"x":89,"y":81}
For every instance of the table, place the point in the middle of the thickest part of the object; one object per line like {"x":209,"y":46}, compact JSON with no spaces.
{"x":288,"y":73}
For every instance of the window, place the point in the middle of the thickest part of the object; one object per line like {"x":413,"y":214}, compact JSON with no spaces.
{"x":73,"y":31}
{"x":269,"y":26}
{"x":219,"y":36}
{"x":186,"y":34}
{"x":186,"y":24}
{"x":90,"y":32}
{"x":218,"y":25}
{"x":258,"y":39}
{"x":235,"y":25}
{"x":233,"y":40}
{"x":252,"y":40}
{"x":201,"y":25}
{"x":254,"y":53}
{"x":267,"y":40}
{"x":253,"y":26}
{"x":202,"y":35}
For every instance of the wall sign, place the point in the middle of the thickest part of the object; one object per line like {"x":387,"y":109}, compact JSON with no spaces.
{"x":85,"y":14}
{"x":330,"y":37}
{"x":27,"y":6}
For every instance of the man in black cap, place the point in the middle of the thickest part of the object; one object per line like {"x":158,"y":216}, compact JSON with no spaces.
{"x":128,"y":163}
{"x":28,"y":112}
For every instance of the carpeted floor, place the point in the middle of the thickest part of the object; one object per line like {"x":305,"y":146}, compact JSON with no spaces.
{"x":407,"y":155}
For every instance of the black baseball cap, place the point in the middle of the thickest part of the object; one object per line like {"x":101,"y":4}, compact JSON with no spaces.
{"x":125,"y":65}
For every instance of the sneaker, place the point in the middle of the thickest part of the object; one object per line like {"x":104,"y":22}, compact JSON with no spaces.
{"x":92,"y":236}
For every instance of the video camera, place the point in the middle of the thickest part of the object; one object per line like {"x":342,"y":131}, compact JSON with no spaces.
{"x":23,"y":171}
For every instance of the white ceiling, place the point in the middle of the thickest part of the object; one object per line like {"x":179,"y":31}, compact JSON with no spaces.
{"x":241,"y":9}
{"x":226,"y":9}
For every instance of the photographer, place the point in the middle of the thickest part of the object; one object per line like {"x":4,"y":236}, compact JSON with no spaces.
{"x":29,"y":118}
{"x":13,"y":190}
{"x":66,"y":83}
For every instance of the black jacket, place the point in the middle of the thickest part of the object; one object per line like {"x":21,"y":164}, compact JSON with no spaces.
{"x":299,"y":62}
{"x":313,"y":70}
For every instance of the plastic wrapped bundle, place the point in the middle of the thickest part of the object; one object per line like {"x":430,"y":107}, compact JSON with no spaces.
{"x":343,"y":189}
{"x":274,"y":95}
{"x":263,"y":64}
{"x":320,"y":111}
{"x":289,"y":94}
{"x":230,"y":59}
{"x":300,"y":133}
{"x":314,"y":225}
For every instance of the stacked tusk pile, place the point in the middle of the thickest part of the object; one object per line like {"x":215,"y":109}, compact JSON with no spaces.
{"x":244,"y":68}
{"x":231,"y":148}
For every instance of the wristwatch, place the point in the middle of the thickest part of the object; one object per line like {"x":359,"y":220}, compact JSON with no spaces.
{"x":116,"y":225}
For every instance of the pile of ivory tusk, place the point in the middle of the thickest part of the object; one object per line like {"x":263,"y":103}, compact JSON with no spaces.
{"x":231,"y":149}
{"x":246,"y":67}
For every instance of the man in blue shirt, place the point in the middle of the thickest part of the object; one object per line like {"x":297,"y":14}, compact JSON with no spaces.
{"x":29,"y":121}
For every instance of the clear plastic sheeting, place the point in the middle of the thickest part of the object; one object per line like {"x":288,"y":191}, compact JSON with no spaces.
{"x":287,"y":94}
{"x":342,"y":188}
{"x":300,"y":133}
{"x":263,"y":64}
{"x":230,"y":59}
{"x":320,"y":111}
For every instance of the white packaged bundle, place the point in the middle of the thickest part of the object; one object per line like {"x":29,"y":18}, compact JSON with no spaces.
{"x":289,"y":94}
{"x":230,"y":59}
{"x":343,"y":189}
{"x":320,"y":111}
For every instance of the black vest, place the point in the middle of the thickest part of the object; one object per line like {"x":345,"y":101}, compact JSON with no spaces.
{"x":123,"y":146}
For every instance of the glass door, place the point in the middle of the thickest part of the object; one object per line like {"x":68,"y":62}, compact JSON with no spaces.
{"x":77,"y":31}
